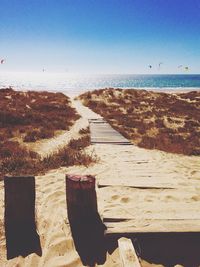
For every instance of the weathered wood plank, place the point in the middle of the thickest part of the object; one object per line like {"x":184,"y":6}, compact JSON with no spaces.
{"x":127,"y":253}
{"x":153,"y":216}
{"x":111,"y":143}
{"x":152,"y":226}
{"x":102,"y":132}
{"x":155,"y":209}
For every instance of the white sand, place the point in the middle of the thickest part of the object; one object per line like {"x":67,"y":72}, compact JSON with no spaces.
{"x":116,"y":165}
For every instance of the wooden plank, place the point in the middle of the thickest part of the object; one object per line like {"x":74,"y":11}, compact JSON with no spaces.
{"x":102,"y":132}
{"x":105,"y":138}
{"x":152,"y":211}
{"x":20,"y":227}
{"x":153,"y":216}
{"x":109,"y":142}
{"x":153,"y":226}
{"x":127,"y":253}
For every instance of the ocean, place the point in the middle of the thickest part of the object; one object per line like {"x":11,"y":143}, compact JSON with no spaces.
{"x":72,"y":84}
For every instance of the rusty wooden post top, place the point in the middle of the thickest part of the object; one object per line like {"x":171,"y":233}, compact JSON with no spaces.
{"x":81,"y":178}
{"x":17,"y":177}
{"x":81,"y":181}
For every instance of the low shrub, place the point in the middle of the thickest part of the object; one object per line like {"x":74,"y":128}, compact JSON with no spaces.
{"x":84,"y":130}
{"x":36,"y":134}
{"x":10,"y":149}
{"x":80,"y":143}
{"x":18,"y":166}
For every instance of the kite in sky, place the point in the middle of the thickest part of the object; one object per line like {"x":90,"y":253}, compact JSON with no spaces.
{"x":150,"y":66}
{"x":185,"y":68}
{"x":2,"y":61}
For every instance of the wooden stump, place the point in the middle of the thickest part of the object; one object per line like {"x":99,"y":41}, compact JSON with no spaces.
{"x":86,"y":225}
{"x":20,"y":228}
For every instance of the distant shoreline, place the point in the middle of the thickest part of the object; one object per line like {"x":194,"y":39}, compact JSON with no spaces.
{"x":167,"y":90}
{"x":75,"y":92}
{"x":174,"y":90}
{"x":72,"y":84}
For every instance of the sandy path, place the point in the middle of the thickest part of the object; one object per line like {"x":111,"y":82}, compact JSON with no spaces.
{"x":50,"y":146}
{"x":116,"y":164}
{"x":84,"y":111}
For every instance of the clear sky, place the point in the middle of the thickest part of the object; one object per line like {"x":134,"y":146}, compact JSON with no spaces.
{"x":100,"y":36}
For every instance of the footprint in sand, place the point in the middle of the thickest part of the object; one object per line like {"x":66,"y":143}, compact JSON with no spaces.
{"x":148,"y":199}
{"x":170,"y":198}
{"x":115,"y":197}
{"x":125,"y":199}
{"x":194,"y":172}
{"x":195,"y":198}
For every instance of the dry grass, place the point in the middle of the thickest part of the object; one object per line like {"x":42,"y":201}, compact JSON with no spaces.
{"x":34,"y":115}
{"x":37,"y":134}
{"x":80,"y":143}
{"x":84,"y":130}
{"x":15,"y":160}
{"x":169,"y":122}
{"x":69,"y":156}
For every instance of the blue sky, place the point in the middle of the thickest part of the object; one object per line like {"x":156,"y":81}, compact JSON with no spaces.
{"x":100,"y":36}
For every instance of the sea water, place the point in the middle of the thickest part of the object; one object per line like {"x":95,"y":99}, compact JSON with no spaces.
{"x":73,"y":84}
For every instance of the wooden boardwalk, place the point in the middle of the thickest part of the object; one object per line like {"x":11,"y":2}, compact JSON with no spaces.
{"x":103,"y":133}
{"x":143,"y":191}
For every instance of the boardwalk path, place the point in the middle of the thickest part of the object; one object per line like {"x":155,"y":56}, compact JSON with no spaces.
{"x":153,"y":191}
{"x":103,"y":133}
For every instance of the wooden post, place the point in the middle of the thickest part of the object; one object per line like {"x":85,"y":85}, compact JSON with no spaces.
{"x":20,"y":228}
{"x":86,"y":225}
{"x":127,"y":253}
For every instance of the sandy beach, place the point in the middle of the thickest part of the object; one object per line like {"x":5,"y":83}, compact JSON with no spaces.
{"x":115,"y":166}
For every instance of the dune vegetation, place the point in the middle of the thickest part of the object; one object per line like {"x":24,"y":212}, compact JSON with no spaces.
{"x":29,"y":117}
{"x":152,"y":120}
{"x":34,"y":115}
